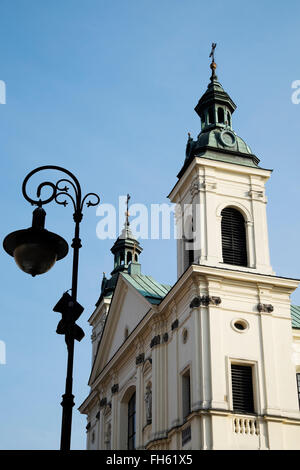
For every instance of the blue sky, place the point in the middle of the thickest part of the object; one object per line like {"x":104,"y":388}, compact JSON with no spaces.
{"x":107,"y":89}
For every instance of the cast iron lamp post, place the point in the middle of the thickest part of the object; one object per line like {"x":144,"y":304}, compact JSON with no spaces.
{"x":36,"y":250}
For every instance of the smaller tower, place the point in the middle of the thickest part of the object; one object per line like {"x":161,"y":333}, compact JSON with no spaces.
{"x":215,"y":107}
{"x":126,"y":251}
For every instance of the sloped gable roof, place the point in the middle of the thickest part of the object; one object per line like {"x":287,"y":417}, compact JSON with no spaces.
{"x":152,"y":290}
{"x":145,"y":287}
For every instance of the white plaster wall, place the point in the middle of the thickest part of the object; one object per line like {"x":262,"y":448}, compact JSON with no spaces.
{"x":211,"y":188}
{"x":211,"y":346}
{"x":133,"y":310}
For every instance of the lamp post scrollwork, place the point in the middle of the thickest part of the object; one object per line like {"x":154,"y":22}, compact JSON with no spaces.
{"x":36,"y":250}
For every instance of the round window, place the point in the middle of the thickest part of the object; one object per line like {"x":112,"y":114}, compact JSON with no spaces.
{"x":240,"y":325}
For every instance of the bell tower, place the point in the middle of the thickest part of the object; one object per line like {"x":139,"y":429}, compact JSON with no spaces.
{"x":221,"y":193}
{"x":126,"y":248}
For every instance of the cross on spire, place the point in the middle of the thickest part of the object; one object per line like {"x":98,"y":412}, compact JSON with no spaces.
{"x":127,"y":210}
{"x":213,"y":65}
{"x":212,"y":52}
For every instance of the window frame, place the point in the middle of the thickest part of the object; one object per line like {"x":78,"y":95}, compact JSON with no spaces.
{"x":298,"y":386}
{"x":244,"y":241}
{"x":183,"y":374}
{"x":255,"y":383}
{"x":131,"y":417}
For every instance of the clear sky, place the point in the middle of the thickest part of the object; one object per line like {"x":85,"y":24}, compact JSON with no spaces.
{"x":107,"y":89}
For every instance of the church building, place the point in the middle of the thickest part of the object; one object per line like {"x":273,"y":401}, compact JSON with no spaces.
{"x":212,"y":362}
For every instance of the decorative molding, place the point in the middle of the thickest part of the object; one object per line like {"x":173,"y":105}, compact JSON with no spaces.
{"x":209,"y":186}
{"x":185,"y":335}
{"x":165,"y":337}
{"x":148,"y":359}
{"x":140,"y":359}
{"x":155,"y":341}
{"x":205,"y":300}
{"x":195,"y":187}
{"x":93,"y":336}
{"x":256,"y":194}
{"x":268,"y":308}
{"x":103,"y":402}
{"x":115,"y":388}
{"x":174,"y":324}
{"x":234,"y":203}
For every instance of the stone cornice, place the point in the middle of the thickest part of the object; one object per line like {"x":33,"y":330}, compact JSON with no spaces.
{"x":182,"y":287}
{"x":235,"y":274}
{"x":104,"y":305}
{"x":90,"y":400}
{"x":206,"y":162}
{"x":167,"y":434}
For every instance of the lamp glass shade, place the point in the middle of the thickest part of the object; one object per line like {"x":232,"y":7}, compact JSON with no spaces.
{"x":35,"y":258}
{"x":35,"y":250}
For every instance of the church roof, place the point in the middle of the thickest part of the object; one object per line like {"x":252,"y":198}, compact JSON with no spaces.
{"x":152,"y":290}
{"x":295,"y":314}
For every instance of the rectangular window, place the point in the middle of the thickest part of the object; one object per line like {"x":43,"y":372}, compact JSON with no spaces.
{"x":186,"y":435}
{"x":298,"y":387}
{"x":242,"y":388}
{"x":189,"y":254}
{"x":186,"y":394}
{"x":131,"y":423}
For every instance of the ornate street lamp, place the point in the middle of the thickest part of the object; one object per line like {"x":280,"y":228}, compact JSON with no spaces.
{"x":36,"y":250}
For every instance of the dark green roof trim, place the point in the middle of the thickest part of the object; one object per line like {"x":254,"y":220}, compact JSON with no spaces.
{"x":227,"y":156}
{"x":295,"y":314}
{"x":152,"y":290}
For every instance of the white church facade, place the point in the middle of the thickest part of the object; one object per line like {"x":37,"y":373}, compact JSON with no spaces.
{"x":212,"y":362}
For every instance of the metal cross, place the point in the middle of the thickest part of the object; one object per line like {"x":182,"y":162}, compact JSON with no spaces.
{"x":127,"y":211}
{"x":212,"y":53}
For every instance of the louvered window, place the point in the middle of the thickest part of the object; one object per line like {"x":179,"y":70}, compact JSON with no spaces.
{"x":186,"y":394}
{"x":242,"y":388}
{"x":298,"y":387}
{"x":233,"y":237}
{"x":189,"y":253}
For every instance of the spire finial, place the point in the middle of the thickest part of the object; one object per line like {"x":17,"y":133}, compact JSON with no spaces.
{"x":127,"y":211}
{"x":213,"y":65}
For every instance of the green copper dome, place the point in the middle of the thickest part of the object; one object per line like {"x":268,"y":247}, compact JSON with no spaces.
{"x":217,"y":139}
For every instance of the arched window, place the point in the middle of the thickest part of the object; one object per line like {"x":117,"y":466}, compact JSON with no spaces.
{"x":221,"y":115}
{"x":131,"y":423}
{"x":129,"y":257}
{"x":211,"y":117}
{"x":228,"y":119}
{"x":115,"y":261}
{"x":202,"y":117}
{"x":233,"y":237}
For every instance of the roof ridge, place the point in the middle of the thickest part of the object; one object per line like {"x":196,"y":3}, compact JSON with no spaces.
{"x":154,"y":282}
{"x":147,"y":286}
